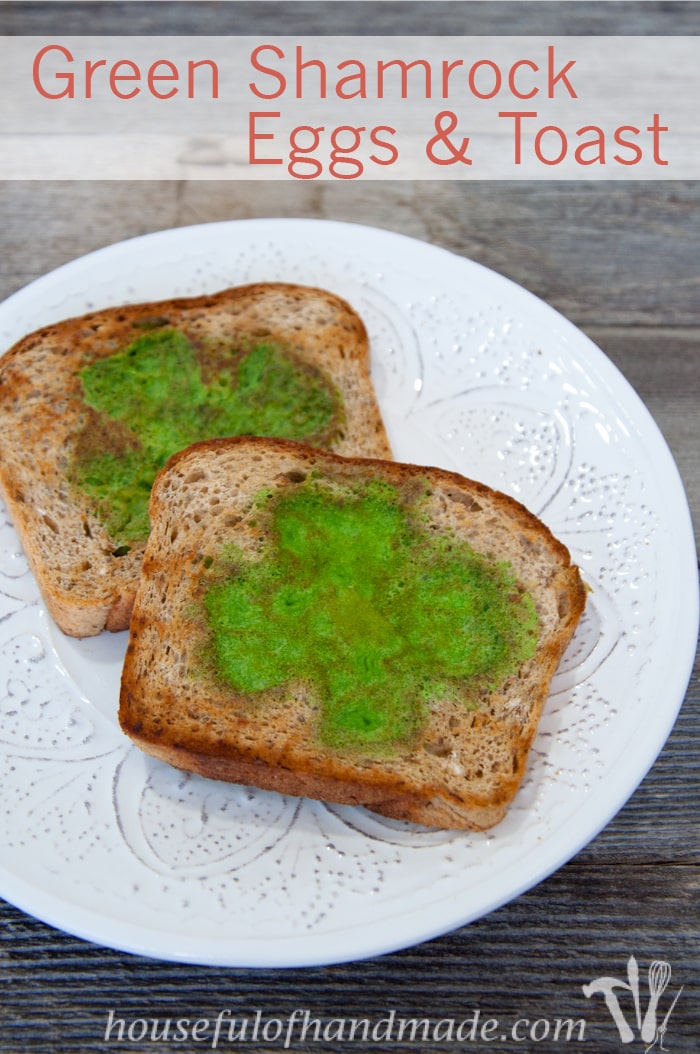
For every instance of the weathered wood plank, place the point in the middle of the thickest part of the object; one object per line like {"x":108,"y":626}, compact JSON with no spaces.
{"x":604,"y":255}
{"x":68,"y":988}
{"x":621,"y":262}
{"x":358,"y":17}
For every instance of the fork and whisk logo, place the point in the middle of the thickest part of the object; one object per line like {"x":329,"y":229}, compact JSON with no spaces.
{"x":651,"y":1021}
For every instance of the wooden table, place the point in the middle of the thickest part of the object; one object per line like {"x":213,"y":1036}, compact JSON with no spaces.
{"x":622,"y":262}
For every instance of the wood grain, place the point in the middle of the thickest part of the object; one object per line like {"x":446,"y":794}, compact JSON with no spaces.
{"x":634,"y":889}
{"x":359,"y":17}
{"x":620,"y":261}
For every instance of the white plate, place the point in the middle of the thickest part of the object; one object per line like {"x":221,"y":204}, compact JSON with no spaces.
{"x":474,"y":374}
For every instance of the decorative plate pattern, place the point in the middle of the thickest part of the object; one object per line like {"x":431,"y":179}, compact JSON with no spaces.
{"x":474,"y":374}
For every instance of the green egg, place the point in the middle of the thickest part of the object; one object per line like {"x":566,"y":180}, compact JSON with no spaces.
{"x":161,"y":393}
{"x":355,"y":597}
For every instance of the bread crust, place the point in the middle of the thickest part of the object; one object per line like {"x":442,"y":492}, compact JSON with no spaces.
{"x":86,"y":585}
{"x":468,"y":765}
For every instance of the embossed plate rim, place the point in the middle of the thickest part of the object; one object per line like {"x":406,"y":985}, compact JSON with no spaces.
{"x":87,"y":279}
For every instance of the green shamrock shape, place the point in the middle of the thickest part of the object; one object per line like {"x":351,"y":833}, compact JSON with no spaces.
{"x":357,"y":599}
{"x":155,"y":397}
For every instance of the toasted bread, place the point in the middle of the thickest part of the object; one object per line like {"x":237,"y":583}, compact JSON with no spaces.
{"x":352,"y":630}
{"x":78,"y":515}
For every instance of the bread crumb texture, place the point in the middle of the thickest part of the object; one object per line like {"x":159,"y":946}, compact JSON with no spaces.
{"x":350,"y":629}
{"x":162,"y":393}
{"x":354,"y":597}
{"x":91,"y":407}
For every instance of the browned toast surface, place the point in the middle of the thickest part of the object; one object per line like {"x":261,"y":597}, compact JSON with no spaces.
{"x":457,"y":760}
{"x":86,"y":574}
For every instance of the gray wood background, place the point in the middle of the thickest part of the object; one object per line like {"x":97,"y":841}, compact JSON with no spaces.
{"x":622,"y":261}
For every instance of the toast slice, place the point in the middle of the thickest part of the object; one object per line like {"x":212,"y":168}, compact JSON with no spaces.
{"x":91,"y":407}
{"x":352,"y":630}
